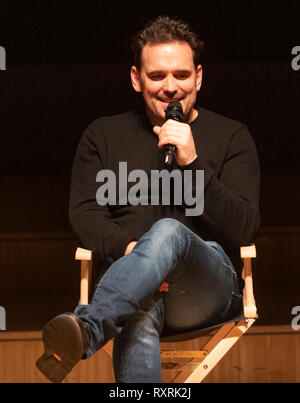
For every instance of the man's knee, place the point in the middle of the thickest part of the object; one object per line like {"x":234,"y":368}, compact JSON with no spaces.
{"x":168,"y":227}
{"x":165,"y":238}
{"x":169,"y":232}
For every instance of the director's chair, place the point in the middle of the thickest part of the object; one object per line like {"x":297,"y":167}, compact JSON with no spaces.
{"x":192,"y":366}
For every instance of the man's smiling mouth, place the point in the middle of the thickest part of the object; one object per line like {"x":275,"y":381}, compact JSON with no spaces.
{"x":169,"y":100}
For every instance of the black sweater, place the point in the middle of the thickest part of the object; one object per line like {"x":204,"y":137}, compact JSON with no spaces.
{"x":226,"y":153}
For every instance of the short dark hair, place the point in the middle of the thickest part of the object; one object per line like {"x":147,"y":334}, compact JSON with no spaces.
{"x":164,"y":29}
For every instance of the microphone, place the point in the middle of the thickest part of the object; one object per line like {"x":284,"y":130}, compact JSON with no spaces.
{"x":174,"y":111}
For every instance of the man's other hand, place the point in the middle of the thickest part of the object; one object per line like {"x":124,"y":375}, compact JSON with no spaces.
{"x":129,"y":247}
{"x":164,"y":287}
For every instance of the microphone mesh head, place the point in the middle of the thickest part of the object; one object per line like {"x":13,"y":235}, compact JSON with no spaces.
{"x":174,"y":111}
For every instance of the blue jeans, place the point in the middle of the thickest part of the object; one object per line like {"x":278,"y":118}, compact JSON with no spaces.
{"x":127,"y":306}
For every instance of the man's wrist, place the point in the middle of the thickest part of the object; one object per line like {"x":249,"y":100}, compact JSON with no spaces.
{"x":189,"y":162}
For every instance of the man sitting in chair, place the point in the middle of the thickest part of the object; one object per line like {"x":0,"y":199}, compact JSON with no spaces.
{"x":166,"y":267}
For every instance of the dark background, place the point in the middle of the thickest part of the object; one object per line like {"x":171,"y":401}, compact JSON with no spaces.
{"x":68,"y":63}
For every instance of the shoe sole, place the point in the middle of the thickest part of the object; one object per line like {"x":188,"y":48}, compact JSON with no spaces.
{"x":63,"y":347}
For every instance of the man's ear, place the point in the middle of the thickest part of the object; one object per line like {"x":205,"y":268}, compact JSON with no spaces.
{"x":198,"y":77}
{"x":135,"y":79}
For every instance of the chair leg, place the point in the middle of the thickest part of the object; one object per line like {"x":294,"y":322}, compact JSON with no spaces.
{"x":217,"y":347}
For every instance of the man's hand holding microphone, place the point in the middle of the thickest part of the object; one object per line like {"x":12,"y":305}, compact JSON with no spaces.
{"x":176,"y":136}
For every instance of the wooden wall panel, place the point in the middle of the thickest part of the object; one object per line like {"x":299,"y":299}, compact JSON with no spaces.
{"x":19,"y":352}
{"x":265,"y":354}
{"x":39,"y":278}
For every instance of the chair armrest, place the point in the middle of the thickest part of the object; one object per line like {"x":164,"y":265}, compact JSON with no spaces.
{"x":247,"y":253}
{"x":86,"y":258}
{"x":83,"y":254}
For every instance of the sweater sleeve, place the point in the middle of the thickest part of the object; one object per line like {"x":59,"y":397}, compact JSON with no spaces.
{"x":93,"y":224}
{"x":231,"y":196}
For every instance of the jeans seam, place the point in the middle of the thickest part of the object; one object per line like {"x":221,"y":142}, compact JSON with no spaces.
{"x":231,"y":268}
{"x":184,"y":267}
{"x":228,"y":306}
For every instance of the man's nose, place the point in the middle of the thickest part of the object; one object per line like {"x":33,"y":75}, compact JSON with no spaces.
{"x":170,"y":85}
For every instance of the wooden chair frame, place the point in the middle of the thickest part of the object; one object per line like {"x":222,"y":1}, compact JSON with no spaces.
{"x":192,"y":366}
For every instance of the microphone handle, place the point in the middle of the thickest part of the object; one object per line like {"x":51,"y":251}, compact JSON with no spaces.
{"x":170,"y":151}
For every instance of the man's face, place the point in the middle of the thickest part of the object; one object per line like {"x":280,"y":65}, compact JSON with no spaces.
{"x":167,"y":74}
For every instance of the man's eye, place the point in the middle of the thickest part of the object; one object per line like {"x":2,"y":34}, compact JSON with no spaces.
{"x":157,"y":77}
{"x":182,"y":76}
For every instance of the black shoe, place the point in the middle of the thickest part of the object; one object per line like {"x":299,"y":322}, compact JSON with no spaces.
{"x":65,"y":339}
